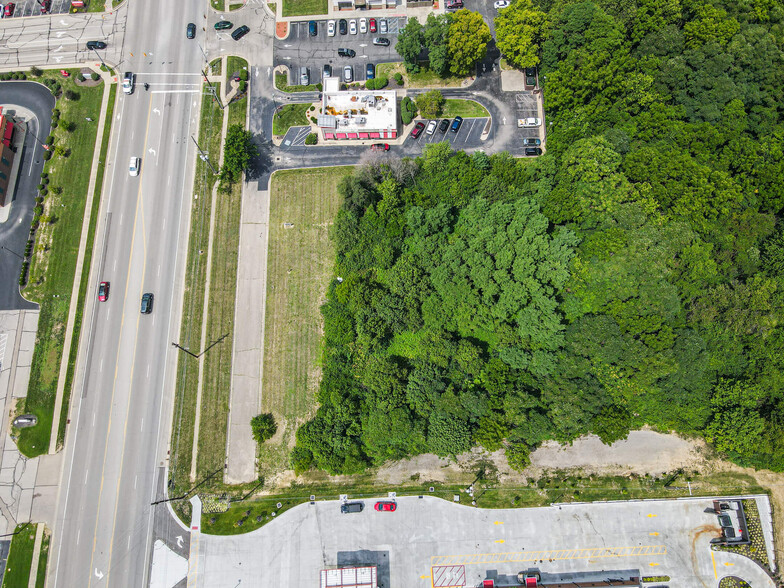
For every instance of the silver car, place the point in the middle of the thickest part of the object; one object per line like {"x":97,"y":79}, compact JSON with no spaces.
{"x":348,"y":74}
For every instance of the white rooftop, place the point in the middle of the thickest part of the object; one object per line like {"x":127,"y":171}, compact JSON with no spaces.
{"x":358,"y":111}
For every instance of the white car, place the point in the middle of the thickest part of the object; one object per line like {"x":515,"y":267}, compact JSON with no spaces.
{"x":431,"y":127}
{"x":348,"y":74}
{"x":501,"y":4}
{"x":134,"y":166}
{"x":331,"y":28}
{"x":363,"y":25}
{"x":528,"y":122}
{"x":382,"y":26}
{"x":352,"y":26}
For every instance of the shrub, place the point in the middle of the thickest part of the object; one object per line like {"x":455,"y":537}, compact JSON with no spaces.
{"x":47,"y":155}
{"x":38,"y":211}
{"x":243,"y":87}
{"x":14,"y":76}
{"x":57,"y":189}
{"x":54,"y":124}
{"x":408,"y":110}
{"x":50,"y":140}
{"x":68,"y":126}
{"x":95,"y":76}
{"x":62,"y":151}
{"x":319,"y":87}
{"x":399,"y":79}
{"x":263,"y":427}
{"x":381,"y":82}
{"x":244,"y":75}
{"x":36,"y":72}
{"x":43,"y":192}
{"x":71,"y":95}
{"x":81,"y":77}
{"x":41,"y":187}
{"x":56,"y":113}
{"x":45,"y":180}
{"x":311,"y":139}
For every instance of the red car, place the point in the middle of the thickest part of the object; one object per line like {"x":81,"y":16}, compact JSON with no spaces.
{"x":372,"y":24}
{"x":379,"y":147}
{"x":103,"y":291}
{"x":385,"y":506}
{"x":418,"y":129}
{"x":9,"y":9}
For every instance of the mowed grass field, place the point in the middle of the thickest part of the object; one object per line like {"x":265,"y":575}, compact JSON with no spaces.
{"x":299,"y":266}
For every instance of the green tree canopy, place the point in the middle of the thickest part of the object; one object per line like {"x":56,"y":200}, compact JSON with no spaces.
{"x":468,"y":39}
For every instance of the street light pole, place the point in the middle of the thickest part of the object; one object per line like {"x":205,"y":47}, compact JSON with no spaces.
{"x":212,"y":89}
{"x":99,"y":57}
{"x":203,"y":156}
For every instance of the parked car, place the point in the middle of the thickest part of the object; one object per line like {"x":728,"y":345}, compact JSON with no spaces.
{"x":379,"y":147}
{"x":383,"y":41}
{"x":25,"y":420}
{"x":90,"y":44}
{"x":352,"y":26}
{"x":533,"y":151}
{"x":382,"y":26}
{"x":8,"y":11}
{"x":444,"y":125}
{"x":313,"y":28}
{"x":501,"y":4}
{"x":343,"y":26}
{"x":348,"y":507}
{"x":237,"y":34}
{"x":454,"y":4}
{"x":134,"y":166}
{"x":530,"y":76}
{"x":532,"y":141}
{"x":528,"y":122}
{"x":103,"y":291}
{"x":223,"y":25}
{"x":417,"y":129}
{"x":372,"y":24}
{"x":348,"y":74}
{"x":370,"y":71}
{"x":456,"y":124}
{"x":431,"y":127}
{"x":385,"y":506}
{"x":304,"y":76}
{"x":346,"y":52}
{"x":331,"y":28}
{"x":129,"y":81}
{"x":363,"y":25}
{"x":327,"y":71}
{"x":146,"y":307}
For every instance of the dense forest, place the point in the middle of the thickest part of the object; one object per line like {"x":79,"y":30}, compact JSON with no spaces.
{"x":634,"y":274}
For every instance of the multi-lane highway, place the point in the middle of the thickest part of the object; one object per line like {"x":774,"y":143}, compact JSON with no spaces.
{"x":116,"y":440}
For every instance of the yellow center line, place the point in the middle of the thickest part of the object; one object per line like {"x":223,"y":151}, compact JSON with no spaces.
{"x":139,"y":205}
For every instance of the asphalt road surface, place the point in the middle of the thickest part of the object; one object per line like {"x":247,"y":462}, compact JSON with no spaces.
{"x":15,"y":231}
{"x":116,"y":441}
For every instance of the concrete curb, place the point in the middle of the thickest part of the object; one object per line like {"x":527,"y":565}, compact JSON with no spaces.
{"x":39,"y":536}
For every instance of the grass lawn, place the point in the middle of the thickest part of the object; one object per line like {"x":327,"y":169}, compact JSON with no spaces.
{"x":53,"y":264}
{"x":465,"y":108}
{"x":282,"y":84}
{"x":300,"y":263}
{"x":20,"y":558}
{"x":236,"y":6}
{"x":304,"y":7}
{"x":290,"y":115}
{"x":193,"y":299}
{"x":424,"y":79}
{"x":40,"y":578}
{"x":234,"y":65}
{"x":217,"y":5}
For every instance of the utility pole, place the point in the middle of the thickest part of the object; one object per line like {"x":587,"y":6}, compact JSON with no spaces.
{"x":203,"y":156}
{"x":212,"y":89}
{"x":99,"y":57}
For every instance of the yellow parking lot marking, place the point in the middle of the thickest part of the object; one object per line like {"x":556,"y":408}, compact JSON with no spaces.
{"x":713,"y":559}
{"x":653,"y":564}
{"x":726,"y":563}
{"x":650,"y":516}
{"x":499,"y":541}
{"x":552,"y":554}
{"x":498,"y":523}
{"x":425,"y":577}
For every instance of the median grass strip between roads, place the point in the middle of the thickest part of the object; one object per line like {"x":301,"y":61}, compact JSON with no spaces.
{"x":304,"y":7}
{"x":282,"y":84}
{"x":300,"y":262}
{"x":88,"y":255}
{"x":193,"y":299}
{"x":57,"y":242}
{"x":213,"y":424}
{"x":20,"y":558}
{"x":465,"y":108}
{"x":290,"y":115}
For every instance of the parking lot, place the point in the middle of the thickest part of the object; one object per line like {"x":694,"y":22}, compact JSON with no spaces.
{"x":300,"y":49}
{"x":466,"y":137}
{"x":33,"y":7}
{"x":656,"y":537}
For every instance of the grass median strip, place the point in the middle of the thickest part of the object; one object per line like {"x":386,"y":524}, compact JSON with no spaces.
{"x":465,"y":108}
{"x":282,"y":84}
{"x":56,"y":249}
{"x":304,"y":7}
{"x":20,"y":557}
{"x":290,"y":115}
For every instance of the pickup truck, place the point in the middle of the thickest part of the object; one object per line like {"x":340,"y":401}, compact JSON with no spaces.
{"x":529,"y":122}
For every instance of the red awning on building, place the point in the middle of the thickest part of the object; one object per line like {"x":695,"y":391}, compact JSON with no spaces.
{"x":393,"y":135}
{"x":341,"y":135}
{"x":364,"y":135}
{"x":374,"y":135}
{"x":353,"y":136}
{"x":8,"y":133}
{"x":329,"y":135}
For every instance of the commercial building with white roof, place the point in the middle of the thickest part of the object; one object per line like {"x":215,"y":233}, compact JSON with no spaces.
{"x":357,"y":114}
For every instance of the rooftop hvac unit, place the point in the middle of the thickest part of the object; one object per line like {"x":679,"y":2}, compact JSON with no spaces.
{"x":362,"y":120}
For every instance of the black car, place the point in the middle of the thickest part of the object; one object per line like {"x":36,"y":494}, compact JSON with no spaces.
{"x":456,"y":124}
{"x":190,"y":31}
{"x":383,"y":41}
{"x":533,"y":151}
{"x":532,"y":142}
{"x":147,"y":302}
{"x":346,"y":52}
{"x":327,"y":71}
{"x":348,"y":507}
{"x":313,"y":28}
{"x":96,"y":45}
{"x":240,"y":32}
{"x":530,"y":76}
{"x":444,"y":125}
{"x":343,"y":26}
